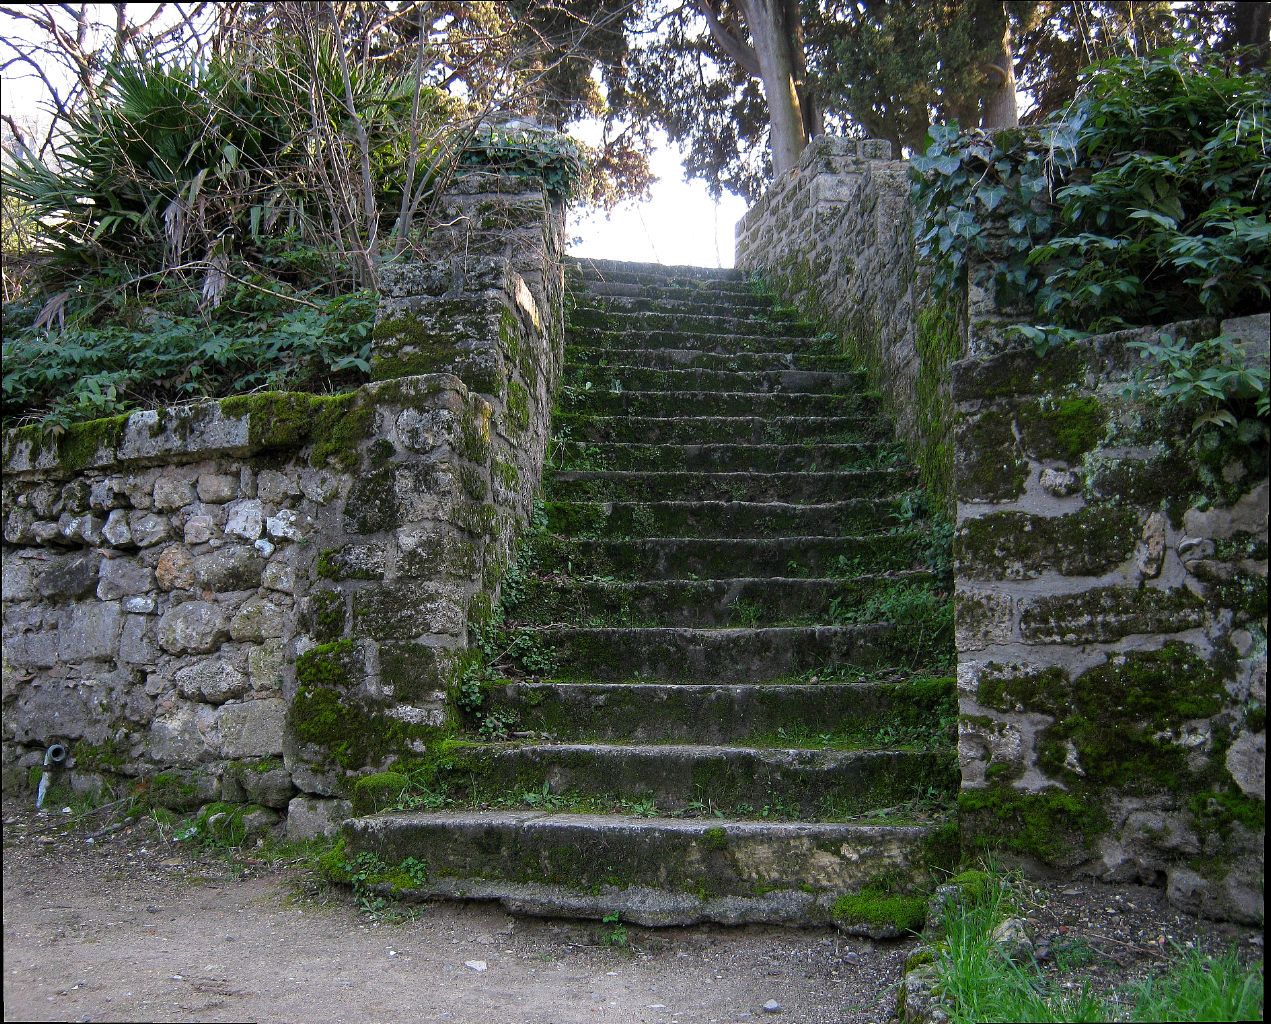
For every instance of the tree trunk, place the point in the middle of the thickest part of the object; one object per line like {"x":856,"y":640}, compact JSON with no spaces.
{"x":769,"y":24}
{"x":1000,"y":108}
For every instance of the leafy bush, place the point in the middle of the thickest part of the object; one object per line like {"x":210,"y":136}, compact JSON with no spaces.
{"x":1143,"y":203}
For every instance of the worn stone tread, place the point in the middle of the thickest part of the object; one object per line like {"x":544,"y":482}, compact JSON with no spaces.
{"x":638,"y":378}
{"x":674,"y":869}
{"x":764,"y":600}
{"x":682,"y":358}
{"x":795,"y":714}
{"x":720,"y":654}
{"x":812,"y":782}
{"x":638,"y":336}
{"x":696,"y":429}
{"x":736,"y":519}
{"x":798,"y":487}
{"x":714,"y":458}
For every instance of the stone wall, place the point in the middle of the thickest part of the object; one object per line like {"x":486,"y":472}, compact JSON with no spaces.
{"x":834,"y":237}
{"x":1110,"y":569}
{"x":254,"y":599}
{"x":1111,"y":610}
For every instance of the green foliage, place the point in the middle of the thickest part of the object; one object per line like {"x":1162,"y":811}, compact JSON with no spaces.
{"x":191,"y":170}
{"x":1145,"y":202}
{"x":144,"y":357}
{"x":556,"y":160}
{"x":1209,"y":379}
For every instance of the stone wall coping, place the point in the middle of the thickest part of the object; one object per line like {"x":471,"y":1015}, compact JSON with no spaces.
{"x":238,"y":426}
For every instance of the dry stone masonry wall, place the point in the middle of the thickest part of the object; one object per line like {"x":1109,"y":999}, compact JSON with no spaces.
{"x":252,"y":599}
{"x":1110,"y":570}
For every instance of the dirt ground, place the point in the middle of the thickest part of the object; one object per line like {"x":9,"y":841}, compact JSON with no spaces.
{"x":134,"y":927}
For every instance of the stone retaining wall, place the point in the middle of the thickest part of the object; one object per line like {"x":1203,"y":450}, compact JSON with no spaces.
{"x":834,"y":236}
{"x":1110,"y":569}
{"x":256,"y":598}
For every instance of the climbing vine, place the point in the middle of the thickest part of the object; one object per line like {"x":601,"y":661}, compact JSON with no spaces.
{"x":1143,"y":203}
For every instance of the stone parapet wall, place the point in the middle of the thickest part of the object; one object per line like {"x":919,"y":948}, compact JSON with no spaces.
{"x":1111,"y":625}
{"x":255,"y":599}
{"x":1110,"y":561}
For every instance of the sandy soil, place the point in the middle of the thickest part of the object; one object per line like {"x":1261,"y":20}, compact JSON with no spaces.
{"x":132,"y":927}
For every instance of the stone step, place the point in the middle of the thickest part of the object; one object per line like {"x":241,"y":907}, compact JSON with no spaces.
{"x":771,"y":714}
{"x":700,"y":341}
{"x":745,"y":655}
{"x":726,"y":602}
{"x":796,"y":488}
{"x":631,"y":299}
{"x":715,"y":403}
{"x":649,"y":871}
{"x":588,"y":268}
{"x":722,"y":558}
{"x":786,"y":782}
{"x":635,"y":378}
{"x":726,"y":296}
{"x":686,"y":359}
{"x":617,"y":520}
{"x":586,"y":456}
{"x":724,"y":429}
{"x":593,"y":318}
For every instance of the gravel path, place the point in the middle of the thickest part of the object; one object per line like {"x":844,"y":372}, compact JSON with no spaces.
{"x":133,"y":928}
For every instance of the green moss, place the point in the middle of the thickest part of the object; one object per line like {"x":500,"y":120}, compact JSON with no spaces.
{"x":874,"y":906}
{"x":1046,"y":690}
{"x":506,"y":474}
{"x":715,"y":839}
{"x":990,"y":467}
{"x":939,"y":342}
{"x":976,"y":885}
{"x":326,"y":609}
{"x":330,"y":664}
{"x":378,"y":791}
{"x":1051,"y":825}
{"x":1063,"y":429}
{"x":108,"y":756}
{"x":340,"y":424}
{"x":1215,"y":811}
{"x":1089,"y":542}
{"x":518,"y":406}
{"x":80,"y":442}
{"x":1121,"y":718}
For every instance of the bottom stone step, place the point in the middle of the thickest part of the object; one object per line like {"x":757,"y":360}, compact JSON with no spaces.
{"x":650,"y":871}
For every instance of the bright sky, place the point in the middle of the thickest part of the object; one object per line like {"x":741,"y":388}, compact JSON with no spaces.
{"x":679,"y":224}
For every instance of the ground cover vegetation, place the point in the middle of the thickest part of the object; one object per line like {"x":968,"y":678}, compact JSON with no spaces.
{"x":980,"y":978}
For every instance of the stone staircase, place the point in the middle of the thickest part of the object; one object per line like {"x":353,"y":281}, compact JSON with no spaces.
{"x":725,"y":692}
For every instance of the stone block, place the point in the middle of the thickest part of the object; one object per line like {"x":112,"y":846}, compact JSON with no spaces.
{"x":245,"y":518}
{"x":1105,"y":614}
{"x":184,"y":734}
{"x":89,"y":632}
{"x":229,"y":568}
{"x":196,"y":627}
{"x":253,"y":728}
{"x":212,"y":680}
{"x":137,"y":641}
{"x":266,"y":782}
{"x":172,"y":492}
{"x":69,"y":576}
{"x":148,"y":529}
{"x":18,"y":579}
{"x":279,"y":576}
{"x":274,"y":487}
{"x":217,"y":488}
{"x":1247,"y":763}
{"x":983,"y":618}
{"x":312,"y":817}
{"x":175,"y":570}
{"x":199,"y":529}
{"x":116,"y":531}
{"x":124,"y":577}
{"x":257,"y":620}
{"x":265,"y":663}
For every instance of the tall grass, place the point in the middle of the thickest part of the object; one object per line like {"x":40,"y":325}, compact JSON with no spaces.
{"x":980,"y":985}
